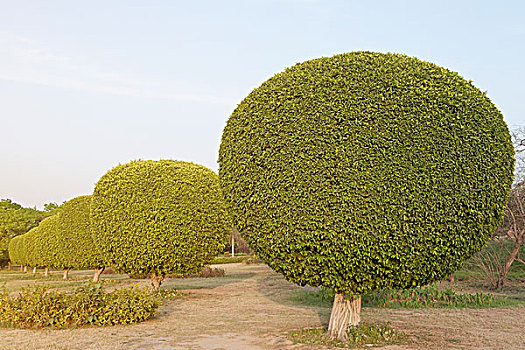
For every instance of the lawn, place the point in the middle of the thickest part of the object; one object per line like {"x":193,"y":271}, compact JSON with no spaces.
{"x":252,"y":307}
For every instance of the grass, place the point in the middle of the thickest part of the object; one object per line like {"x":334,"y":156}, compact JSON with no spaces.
{"x":170,"y":294}
{"x":204,"y":283}
{"x":254,"y":301}
{"x":363,"y":335}
{"x":230,"y":259}
{"x":423,"y":297}
{"x":497,"y":252}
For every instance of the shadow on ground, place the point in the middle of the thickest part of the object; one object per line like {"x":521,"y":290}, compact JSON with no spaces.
{"x":280,"y":291}
{"x":204,"y":283}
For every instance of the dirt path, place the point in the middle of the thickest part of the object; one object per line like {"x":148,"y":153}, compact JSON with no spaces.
{"x":249,"y":309}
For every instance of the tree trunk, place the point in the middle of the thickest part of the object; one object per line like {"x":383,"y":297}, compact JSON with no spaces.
{"x":9,"y":266}
{"x":506,"y":268}
{"x":46,"y":272}
{"x":34,"y":270}
{"x":66,"y":273}
{"x":97,"y":273}
{"x":21,"y":268}
{"x":25,"y":268}
{"x":156,"y":280}
{"x":346,"y":311}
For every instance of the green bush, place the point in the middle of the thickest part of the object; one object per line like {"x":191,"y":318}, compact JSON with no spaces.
{"x":39,"y":247}
{"x":48,"y":243}
{"x":15,"y":221}
{"x":30,"y":252}
{"x":15,"y":250}
{"x":78,"y":250}
{"x":89,"y":304}
{"x":208,"y":272}
{"x":21,"y":248}
{"x":159,"y":217}
{"x":365,"y":171}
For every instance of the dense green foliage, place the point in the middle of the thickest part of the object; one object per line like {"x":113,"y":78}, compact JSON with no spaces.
{"x":38,"y":247}
{"x":47,"y":243}
{"x":365,"y":171}
{"x":159,"y":217}
{"x":14,"y":221}
{"x":76,"y":241}
{"x":89,"y":304}
{"x":15,"y":250}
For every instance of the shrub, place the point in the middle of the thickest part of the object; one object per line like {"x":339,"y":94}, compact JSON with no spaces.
{"x":253,"y":260}
{"x":47,"y":243}
{"x":78,"y":249}
{"x":159,"y":217}
{"x":15,"y":250}
{"x":208,"y":272}
{"x":14,"y":221}
{"x":30,"y":253}
{"x":37,"y":306}
{"x":365,"y":171}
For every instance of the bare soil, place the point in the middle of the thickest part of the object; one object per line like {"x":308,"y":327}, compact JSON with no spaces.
{"x":250,"y":309}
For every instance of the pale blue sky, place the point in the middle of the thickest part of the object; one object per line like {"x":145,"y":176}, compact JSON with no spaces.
{"x":85,"y":85}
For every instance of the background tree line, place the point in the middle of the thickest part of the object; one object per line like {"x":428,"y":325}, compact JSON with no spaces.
{"x":16,"y":220}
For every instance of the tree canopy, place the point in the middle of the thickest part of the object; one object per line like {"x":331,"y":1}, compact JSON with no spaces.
{"x":366,"y":170}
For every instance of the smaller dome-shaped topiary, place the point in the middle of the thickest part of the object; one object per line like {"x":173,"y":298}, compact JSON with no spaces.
{"x":159,"y":217}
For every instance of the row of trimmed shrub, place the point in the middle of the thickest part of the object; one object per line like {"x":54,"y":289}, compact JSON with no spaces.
{"x":62,"y":241}
{"x":154,"y":218}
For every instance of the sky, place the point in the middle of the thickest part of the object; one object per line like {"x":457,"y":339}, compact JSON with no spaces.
{"x":86,"y":85}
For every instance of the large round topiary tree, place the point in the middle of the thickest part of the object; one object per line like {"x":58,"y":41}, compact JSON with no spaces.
{"x":79,"y":251}
{"x":159,"y":217}
{"x":365,"y":171}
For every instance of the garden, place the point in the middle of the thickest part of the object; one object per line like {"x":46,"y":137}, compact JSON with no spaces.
{"x":379,"y":199}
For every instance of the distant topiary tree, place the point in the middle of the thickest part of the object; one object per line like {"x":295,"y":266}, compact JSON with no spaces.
{"x":14,"y":221}
{"x":159,"y":218}
{"x":365,"y":171}
{"x":47,"y":244}
{"x":78,"y":251}
{"x":15,"y":251}
{"x":37,"y":247}
{"x":30,"y":252}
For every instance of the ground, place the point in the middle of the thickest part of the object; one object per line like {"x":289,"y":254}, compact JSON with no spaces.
{"x":250,"y":308}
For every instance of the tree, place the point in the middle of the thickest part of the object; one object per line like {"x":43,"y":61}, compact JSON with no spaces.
{"x":513,"y":228}
{"x":53,"y":208}
{"x":518,"y":140}
{"x":159,"y":217}
{"x":47,"y":244}
{"x":365,"y":171}
{"x":15,"y":250}
{"x":15,"y":220}
{"x":78,"y":250}
{"x":497,"y":260}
